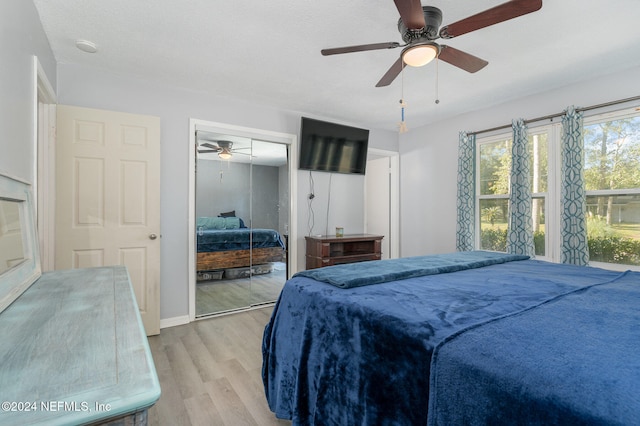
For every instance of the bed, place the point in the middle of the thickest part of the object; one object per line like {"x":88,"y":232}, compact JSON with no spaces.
{"x":464,"y":338}
{"x":226,"y":243}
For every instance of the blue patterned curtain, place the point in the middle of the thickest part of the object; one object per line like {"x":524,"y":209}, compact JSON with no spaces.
{"x":465,"y":228}
{"x":573,"y":232}
{"x":520,"y":234}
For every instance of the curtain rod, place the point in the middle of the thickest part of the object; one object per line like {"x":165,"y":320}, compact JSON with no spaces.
{"x":550,"y":116}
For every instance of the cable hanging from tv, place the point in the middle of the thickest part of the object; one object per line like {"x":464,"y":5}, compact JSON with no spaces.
{"x":326,"y":229}
{"x":312,"y":195}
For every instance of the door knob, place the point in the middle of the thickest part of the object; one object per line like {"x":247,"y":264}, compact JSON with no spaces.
{"x":152,"y":236}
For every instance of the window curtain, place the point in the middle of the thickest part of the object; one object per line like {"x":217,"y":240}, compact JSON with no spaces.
{"x":520,"y":234}
{"x":574,"y":248}
{"x":465,"y":228}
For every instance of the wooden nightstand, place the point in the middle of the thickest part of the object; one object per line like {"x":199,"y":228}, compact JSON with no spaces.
{"x":331,"y":250}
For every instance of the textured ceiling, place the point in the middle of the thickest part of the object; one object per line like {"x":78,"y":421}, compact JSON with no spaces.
{"x":268,"y":52}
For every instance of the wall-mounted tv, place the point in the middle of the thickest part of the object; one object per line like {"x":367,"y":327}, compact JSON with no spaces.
{"x":331,"y":147}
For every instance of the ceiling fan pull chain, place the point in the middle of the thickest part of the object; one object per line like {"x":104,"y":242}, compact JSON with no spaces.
{"x":402,"y":126}
{"x":437,"y":81}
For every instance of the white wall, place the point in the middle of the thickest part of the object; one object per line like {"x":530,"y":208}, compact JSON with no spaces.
{"x":93,"y":88}
{"x":224,"y":186}
{"x":429,"y":157}
{"x":21,"y":37}
{"x":343,"y":197}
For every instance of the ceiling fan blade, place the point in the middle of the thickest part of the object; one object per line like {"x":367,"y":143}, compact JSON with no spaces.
{"x":411,"y":13}
{"x":210,"y":145}
{"x":461,"y":59}
{"x":206,"y":151}
{"x":391,"y":74}
{"x":359,"y":48}
{"x":504,"y":12}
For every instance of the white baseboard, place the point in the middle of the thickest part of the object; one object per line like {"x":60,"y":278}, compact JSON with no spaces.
{"x":172,"y":322}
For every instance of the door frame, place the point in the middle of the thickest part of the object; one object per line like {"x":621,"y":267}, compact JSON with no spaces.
{"x":43,"y":180}
{"x":248,"y":132}
{"x":394,"y":199}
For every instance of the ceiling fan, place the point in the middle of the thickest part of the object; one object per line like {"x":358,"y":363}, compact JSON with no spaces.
{"x":420,"y":26}
{"x":224,"y":148}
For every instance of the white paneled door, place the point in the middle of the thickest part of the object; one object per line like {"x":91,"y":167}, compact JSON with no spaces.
{"x":108,"y":198}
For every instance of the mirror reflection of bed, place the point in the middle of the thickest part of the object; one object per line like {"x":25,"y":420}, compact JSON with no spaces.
{"x":241,"y":222}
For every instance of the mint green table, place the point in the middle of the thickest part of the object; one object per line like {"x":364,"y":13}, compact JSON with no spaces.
{"x":73,"y":351}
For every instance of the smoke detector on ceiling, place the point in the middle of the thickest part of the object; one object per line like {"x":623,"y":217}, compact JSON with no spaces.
{"x":86,"y":46}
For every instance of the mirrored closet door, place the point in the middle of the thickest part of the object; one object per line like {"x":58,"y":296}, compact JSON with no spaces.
{"x":242,"y":200}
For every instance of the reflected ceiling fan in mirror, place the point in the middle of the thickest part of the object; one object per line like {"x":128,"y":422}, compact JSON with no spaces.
{"x":419,"y":27}
{"x":224,"y":148}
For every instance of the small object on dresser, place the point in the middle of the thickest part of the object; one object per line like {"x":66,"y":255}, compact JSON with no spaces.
{"x":339,"y":232}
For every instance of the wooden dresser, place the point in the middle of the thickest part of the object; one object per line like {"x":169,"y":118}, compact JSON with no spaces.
{"x":331,"y":250}
{"x":74,"y":351}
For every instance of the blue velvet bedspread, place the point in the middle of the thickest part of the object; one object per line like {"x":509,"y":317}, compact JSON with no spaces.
{"x":574,"y":360}
{"x":362,"y":355}
{"x":367,"y":273}
{"x":237,"y":239}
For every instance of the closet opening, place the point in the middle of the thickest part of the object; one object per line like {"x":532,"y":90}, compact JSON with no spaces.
{"x":241,"y":211}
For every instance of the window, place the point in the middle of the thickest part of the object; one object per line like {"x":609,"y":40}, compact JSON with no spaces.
{"x":612,"y":181}
{"x":494,"y":168}
{"x":539,"y":167}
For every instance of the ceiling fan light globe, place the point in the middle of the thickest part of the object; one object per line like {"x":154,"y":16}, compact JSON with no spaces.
{"x":225,"y":155}
{"x":420,"y":55}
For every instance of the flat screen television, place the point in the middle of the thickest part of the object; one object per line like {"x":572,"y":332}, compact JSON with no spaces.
{"x":331,"y":147}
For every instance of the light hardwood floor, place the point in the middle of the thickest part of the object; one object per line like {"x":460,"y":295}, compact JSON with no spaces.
{"x":226,"y":295}
{"x":210,"y":372}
